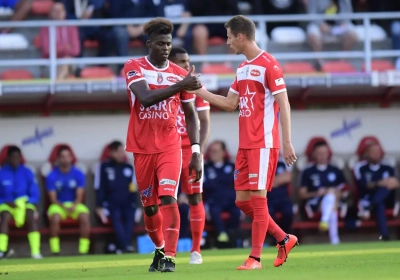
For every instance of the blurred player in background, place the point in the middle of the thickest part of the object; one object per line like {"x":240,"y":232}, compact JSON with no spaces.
{"x":19,"y":193}
{"x":156,"y":89}
{"x":193,"y":190}
{"x":260,"y":91}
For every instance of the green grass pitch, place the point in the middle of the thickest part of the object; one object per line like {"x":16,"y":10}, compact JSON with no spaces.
{"x":347,"y":261}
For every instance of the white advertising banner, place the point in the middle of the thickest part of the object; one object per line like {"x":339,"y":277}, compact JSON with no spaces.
{"x":89,"y":134}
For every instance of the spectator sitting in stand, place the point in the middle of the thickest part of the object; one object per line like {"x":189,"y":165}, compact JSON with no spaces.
{"x":91,"y":9}
{"x":129,"y":9}
{"x":202,"y":32}
{"x":21,"y":9}
{"x":67,"y":40}
{"x":320,"y":190}
{"x":376,"y":183}
{"x":278,"y":199}
{"x":182,"y":34}
{"x":219,"y":192}
{"x":316,"y":30}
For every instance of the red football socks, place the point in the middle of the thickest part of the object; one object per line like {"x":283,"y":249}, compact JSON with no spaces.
{"x":197,"y":222}
{"x":259,"y":225}
{"x":275,"y":230}
{"x":153,"y":226}
{"x":171,"y":225}
{"x":246,"y":207}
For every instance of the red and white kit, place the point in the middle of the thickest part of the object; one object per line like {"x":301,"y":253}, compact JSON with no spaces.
{"x":256,"y":82}
{"x":189,"y":188}
{"x":153,"y":134}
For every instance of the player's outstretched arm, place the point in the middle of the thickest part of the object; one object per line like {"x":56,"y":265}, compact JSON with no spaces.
{"x":228,"y":103}
{"x":149,"y":97}
{"x":288,"y":152}
{"x":204,"y":118}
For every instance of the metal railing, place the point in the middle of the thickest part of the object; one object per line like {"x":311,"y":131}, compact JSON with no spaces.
{"x":367,"y":53}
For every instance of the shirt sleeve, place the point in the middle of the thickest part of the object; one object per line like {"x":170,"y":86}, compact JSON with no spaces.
{"x":80,"y":179}
{"x":5,"y":192}
{"x":341,"y":181}
{"x":133,"y":72}
{"x":234,"y":87}
{"x":392,"y":172}
{"x":201,"y":104}
{"x":274,"y":78}
{"x":187,"y":97}
{"x":50,"y":182}
{"x":33,"y":193}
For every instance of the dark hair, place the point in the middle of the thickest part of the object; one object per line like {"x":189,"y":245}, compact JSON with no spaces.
{"x":114,"y":145}
{"x":158,"y":26}
{"x":222,"y":143}
{"x":63,"y":148}
{"x":175,"y":51}
{"x":319,"y":144}
{"x":241,"y":24}
{"x":13,"y":149}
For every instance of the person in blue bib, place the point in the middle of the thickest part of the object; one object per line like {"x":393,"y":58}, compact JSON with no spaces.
{"x":66,"y":187}
{"x":19,"y":193}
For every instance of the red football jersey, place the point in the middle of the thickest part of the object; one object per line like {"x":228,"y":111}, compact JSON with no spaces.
{"x":256,"y":82}
{"x":154,"y":129}
{"x":200,"y":105}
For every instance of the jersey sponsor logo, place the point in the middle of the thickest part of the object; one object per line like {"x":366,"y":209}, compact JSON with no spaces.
{"x":172,"y":79}
{"x":169,"y":189}
{"x":246,"y":106}
{"x":147,"y":192}
{"x":255,"y":73}
{"x":159,"y":111}
{"x":167,"y":182}
{"x":253,"y":175}
{"x":132,"y":74}
{"x":160,"y":78}
{"x":279,"y":82}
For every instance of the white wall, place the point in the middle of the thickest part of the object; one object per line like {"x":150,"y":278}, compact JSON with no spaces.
{"x":88,"y":134}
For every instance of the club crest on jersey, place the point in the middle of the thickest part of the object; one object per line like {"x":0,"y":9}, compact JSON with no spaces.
{"x":159,"y":78}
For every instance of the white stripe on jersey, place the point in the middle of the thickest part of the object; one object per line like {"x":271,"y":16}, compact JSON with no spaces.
{"x":263,"y":171}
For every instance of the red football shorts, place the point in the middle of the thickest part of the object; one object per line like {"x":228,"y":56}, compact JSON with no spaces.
{"x":255,"y":169}
{"x":186,"y":187}
{"x":158,"y":175}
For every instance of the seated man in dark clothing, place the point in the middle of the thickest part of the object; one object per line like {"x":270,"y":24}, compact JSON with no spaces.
{"x":182,"y":34}
{"x":278,"y":199}
{"x":202,"y":32}
{"x":219,"y":192}
{"x":116,"y":194}
{"x":376,"y":183}
{"x":320,"y":189}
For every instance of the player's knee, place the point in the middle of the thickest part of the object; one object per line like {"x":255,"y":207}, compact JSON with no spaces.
{"x":200,"y":30}
{"x":195,"y":199}
{"x":166,"y":200}
{"x":55,"y":219}
{"x":150,"y":210}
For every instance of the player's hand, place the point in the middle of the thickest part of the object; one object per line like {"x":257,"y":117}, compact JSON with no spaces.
{"x":196,"y":167}
{"x":100,"y":214}
{"x":191,"y":81}
{"x":289,"y":154}
{"x":322,"y":191}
